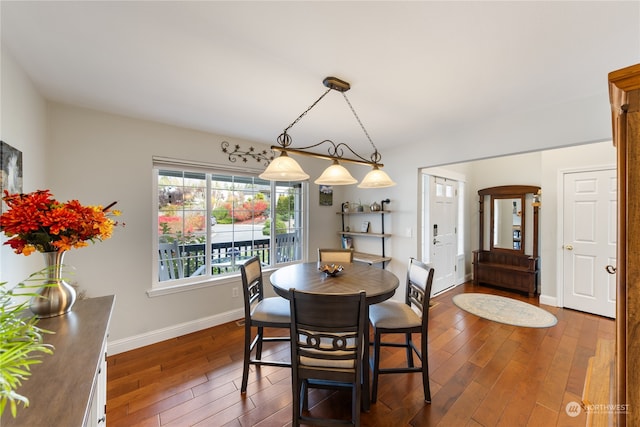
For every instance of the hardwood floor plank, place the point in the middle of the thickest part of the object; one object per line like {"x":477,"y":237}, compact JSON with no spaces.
{"x":153,"y":421}
{"x":492,"y":345}
{"x":499,"y":395}
{"x":542,"y":417}
{"x":447,"y":395}
{"x":482,"y":374}
{"x":226,"y":390}
{"x":220,"y":410}
{"x":183,"y":388}
{"x":150,"y":411}
{"x":522,"y":400}
{"x":446,"y":371}
{"x":556,"y":381}
{"x":573,"y":420}
{"x":462,"y":333}
{"x":267,"y":403}
{"x":462,"y":410}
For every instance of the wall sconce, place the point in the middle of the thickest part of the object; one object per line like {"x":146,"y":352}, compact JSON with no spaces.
{"x":537,"y":199}
{"x":284,"y":168}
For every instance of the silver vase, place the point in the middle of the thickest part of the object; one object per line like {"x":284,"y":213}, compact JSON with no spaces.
{"x":56,"y":297}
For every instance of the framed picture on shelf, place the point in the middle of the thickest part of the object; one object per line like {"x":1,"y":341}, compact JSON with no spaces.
{"x":365,"y":227}
{"x":347,"y":242}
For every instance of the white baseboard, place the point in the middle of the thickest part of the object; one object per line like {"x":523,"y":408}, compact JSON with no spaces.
{"x":152,"y":337}
{"x":548,"y":300}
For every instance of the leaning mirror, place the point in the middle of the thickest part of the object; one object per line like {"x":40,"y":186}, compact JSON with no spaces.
{"x":507,"y":223}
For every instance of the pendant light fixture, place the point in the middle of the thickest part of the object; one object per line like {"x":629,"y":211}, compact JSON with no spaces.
{"x":336,"y":174}
{"x":376,"y":178}
{"x":284,"y":168}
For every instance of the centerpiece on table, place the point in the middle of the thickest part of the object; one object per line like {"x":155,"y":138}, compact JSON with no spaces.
{"x":36,"y":222}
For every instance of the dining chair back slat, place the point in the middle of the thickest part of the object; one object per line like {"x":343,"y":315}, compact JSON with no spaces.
{"x":335,"y":256}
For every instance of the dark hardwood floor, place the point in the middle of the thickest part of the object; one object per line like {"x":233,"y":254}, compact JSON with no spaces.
{"x":482,"y":374}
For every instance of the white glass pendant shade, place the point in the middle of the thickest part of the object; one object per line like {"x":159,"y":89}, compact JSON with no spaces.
{"x":284,"y":168}
{"x":336,"y":174}
{"x":376,"y":178}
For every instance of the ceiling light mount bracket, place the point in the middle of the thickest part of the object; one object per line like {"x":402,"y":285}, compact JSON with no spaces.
{"x":336,"y":84}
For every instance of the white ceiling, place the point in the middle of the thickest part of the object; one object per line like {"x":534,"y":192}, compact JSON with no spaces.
{"x":248,"y":69}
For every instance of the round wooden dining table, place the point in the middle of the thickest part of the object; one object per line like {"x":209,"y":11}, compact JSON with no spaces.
{"x":378,"y":284}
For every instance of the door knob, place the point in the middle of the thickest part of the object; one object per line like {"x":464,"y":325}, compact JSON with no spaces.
{"x":610,"y":269}
{"x":568,"y":247}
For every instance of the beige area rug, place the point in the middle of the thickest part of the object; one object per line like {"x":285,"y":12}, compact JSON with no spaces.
{"x":505,"y":310}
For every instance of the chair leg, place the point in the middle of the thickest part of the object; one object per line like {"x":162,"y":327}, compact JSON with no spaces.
{"x":425,"y":370}
{"x":259,"y":343}
{"x":298,"y":402}
{"x":407,"y":342}
{"x":376,"y":365}
{"x":305,"y":396}
{"x":247,"y":357}
{"x":356,"y":397}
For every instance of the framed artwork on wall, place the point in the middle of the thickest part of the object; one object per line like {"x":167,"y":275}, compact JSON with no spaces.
{"x":11,"y":172}
{"x":326,"y":195}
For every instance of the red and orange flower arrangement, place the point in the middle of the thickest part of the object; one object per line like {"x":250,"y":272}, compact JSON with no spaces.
{"x":38,"y":222}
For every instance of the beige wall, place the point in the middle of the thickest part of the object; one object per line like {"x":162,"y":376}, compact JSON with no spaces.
{"x":23,"y":125}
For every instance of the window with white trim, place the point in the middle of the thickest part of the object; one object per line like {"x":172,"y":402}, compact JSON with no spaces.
{"x":209,"y":222}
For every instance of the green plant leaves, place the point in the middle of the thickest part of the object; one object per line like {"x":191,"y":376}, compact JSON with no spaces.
{"x":21,"y":341}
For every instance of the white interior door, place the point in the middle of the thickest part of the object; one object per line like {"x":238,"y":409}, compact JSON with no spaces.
{"x":441,"y":232}
{"x":589,"y":241}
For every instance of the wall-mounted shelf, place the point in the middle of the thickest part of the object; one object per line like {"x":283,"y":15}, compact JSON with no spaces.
{"x":362,"y":256}
{"x":363,"y":213}
{"x":370,"y":258}
{"x":354,"y":233}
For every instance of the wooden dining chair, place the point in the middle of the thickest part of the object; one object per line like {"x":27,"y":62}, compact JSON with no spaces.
{"x":260,"y":312}
{"x":409,"y":317}
{"x":326,"y":350}
{"x":333,"y":256}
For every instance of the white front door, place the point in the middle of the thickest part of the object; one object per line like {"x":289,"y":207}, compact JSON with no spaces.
{"x":441,"y":232}
{"x":589,"y":241}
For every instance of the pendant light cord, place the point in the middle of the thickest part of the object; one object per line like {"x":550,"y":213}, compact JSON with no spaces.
{"x":375,"y":149}
{"x":307,"y":110}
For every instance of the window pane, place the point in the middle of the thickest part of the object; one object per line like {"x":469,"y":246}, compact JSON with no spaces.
{"x":241,"y":206}
{"x":181,"y":222}
{"x":196,"y":242}
{"x":288,"y":222}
